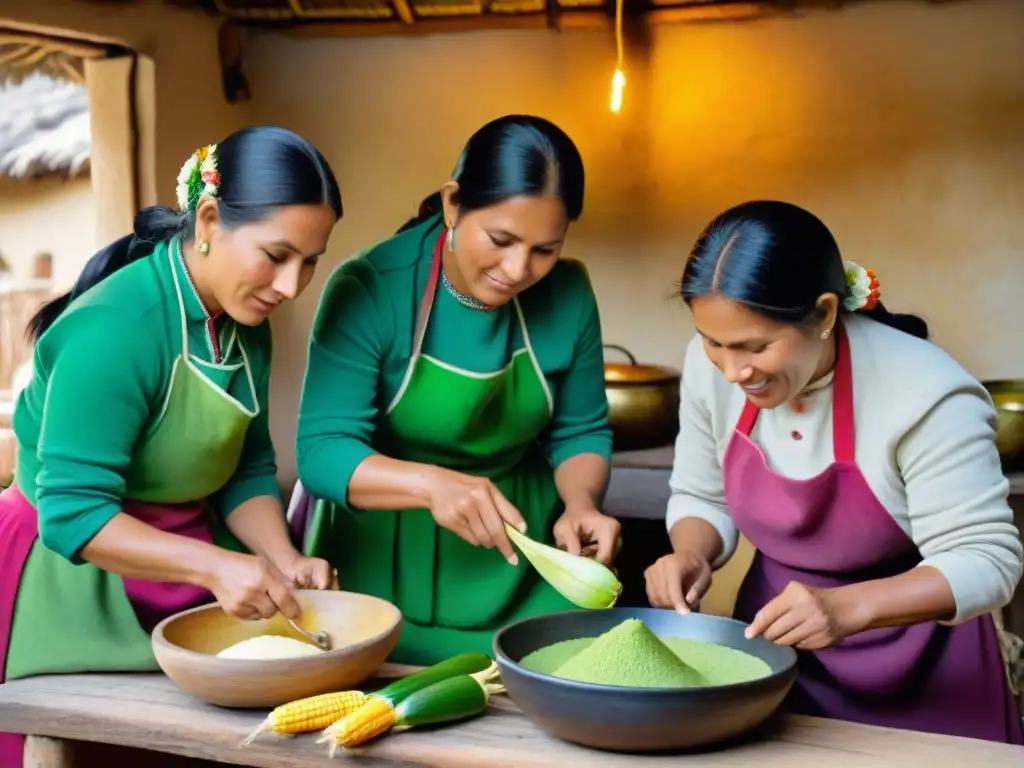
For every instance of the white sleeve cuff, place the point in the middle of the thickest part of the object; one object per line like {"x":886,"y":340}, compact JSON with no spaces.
{"x":681,"y":506}
{"x":980,"y":584}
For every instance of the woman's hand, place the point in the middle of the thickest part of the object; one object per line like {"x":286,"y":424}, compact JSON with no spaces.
{"x":601,"y":533}
{"x":678,"y":581}
{"x":806,"y":617}
{"x":249,"y":587}
{"x":474,"y":509}
{"x":310,"y":573}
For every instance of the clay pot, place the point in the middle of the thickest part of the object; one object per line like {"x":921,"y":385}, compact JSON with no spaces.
{"x":643,"y":403}
{"x":1008,"y":397}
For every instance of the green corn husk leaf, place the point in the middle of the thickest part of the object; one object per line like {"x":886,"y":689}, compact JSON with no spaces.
{"x":581,"y":580}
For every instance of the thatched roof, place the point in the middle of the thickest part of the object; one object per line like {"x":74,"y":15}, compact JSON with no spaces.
{"x":44,"y":127}
{"x":368,"y":17}
{"x":21,"y":56}
{"x":410,"y":11}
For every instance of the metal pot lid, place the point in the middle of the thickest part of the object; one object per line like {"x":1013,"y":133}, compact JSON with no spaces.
{"x":636,"y":373}
{"x":620,"y":373}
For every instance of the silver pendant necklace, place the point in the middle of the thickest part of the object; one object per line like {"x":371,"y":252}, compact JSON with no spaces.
{"x":467,"y":301}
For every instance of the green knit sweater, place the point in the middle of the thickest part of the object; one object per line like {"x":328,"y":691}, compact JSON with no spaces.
{"x":362,"y":343}
{"x":101,"y":374}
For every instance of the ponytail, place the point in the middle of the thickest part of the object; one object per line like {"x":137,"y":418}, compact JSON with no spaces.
{"x":912,"y":324}
{"x":431,"y":206}
{"x":152,"y":226}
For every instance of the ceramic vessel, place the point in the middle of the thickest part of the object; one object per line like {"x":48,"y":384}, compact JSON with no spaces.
{"x":640,"y":719}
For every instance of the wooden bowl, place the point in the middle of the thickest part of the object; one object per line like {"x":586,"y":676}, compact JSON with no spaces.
{"x":363,"y":629}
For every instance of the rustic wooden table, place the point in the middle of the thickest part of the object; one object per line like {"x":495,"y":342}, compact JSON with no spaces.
{"x":150,"y":712}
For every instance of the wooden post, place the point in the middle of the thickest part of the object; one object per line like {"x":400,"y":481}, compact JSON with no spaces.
{"x":42,"y":266}
{"x":44,"y":752}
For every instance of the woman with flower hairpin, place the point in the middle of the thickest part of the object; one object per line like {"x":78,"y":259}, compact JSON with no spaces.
{"x":860,"y":461}
{"x":145,"y":476}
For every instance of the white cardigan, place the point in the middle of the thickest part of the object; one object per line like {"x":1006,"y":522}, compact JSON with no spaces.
{"x":925,"y":445}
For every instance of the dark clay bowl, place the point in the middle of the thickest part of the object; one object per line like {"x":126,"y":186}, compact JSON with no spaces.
{"x":640,"y":719}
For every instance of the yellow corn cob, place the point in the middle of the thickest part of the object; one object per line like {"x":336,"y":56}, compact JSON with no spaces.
{"x":311,"y":714}
{"x":374,"y":718}
{"x":450,"y":698}
{"x":377,"y":715}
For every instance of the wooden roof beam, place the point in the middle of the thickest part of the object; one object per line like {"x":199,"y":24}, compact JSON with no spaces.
{"x":403,"y":11}
{"x":71,"y":48}
{"x":442,"y":26}
{"x":552,"y":10}
{"x":598,"y":18}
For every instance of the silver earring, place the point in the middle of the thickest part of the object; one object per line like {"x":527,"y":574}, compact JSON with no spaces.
{"x":826,"y":333}
{"x":204,"y":247}
{"x":451,"y":239}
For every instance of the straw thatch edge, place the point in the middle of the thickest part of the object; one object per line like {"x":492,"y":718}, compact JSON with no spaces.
{"x":45,"y":128}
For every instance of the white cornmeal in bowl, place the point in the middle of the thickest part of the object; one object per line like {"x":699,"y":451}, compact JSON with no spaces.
{"x":267,"y":647}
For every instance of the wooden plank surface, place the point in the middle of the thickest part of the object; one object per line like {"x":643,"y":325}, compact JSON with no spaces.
{"x":662,"y":456}
{"x":651,"y":458}
{"x":150,"y":712}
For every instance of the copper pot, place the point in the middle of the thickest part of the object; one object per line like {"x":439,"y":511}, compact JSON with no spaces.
{"x":643,"y":403}
{"x":1008,"y":397}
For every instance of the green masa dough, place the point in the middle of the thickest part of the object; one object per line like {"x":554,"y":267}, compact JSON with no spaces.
{"x":631,"y":655}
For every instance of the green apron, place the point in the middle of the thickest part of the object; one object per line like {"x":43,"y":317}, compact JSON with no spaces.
{"x":453,"y":596}
{"x":189,"y":452}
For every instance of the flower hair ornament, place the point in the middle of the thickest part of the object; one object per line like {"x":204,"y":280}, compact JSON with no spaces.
{"x":198,"y":177}
{"x":862,"y":288}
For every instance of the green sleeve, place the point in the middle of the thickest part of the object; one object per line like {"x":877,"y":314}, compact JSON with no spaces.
{"x":339,"y":404}
{"x":103,"y":373}
{"x":580,"y":419}
{"x":256,"y":474}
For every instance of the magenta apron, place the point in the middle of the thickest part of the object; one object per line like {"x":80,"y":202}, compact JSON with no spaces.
{"x":150,"y":601}
{"x":18,"y":534}
{"x":830,"y":531}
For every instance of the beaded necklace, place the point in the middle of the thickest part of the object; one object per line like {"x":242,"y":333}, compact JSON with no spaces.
{"x":467,"y":301}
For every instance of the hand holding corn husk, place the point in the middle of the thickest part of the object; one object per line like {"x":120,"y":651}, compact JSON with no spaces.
{"x":588,"y":531}
{"x":444,"y":701}
{"x":582,"y":581}
{"x":474,"y":509}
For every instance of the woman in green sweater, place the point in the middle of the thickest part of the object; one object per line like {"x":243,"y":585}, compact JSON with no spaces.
{"x":455,"y":382}
{"x":145,"y":475}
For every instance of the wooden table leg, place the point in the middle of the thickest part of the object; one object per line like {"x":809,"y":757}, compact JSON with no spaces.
{"x":47,"y":752}
{"x":44,"y":752}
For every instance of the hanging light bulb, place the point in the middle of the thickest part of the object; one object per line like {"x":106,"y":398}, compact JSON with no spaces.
{"x":618,"y":83}
{"x":619,"y":78}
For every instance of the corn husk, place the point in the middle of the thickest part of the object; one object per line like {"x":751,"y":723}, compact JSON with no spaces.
{"x":581,"y":580}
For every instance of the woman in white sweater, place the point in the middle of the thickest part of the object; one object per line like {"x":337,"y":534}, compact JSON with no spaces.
{"x":859,"y":459}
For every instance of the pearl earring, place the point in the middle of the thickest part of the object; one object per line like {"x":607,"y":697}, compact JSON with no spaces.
{"x":826,"y":333}
{"x":204,"y":247}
